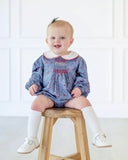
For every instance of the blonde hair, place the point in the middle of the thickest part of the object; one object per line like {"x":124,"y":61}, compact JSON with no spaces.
{"x":61,"y":23}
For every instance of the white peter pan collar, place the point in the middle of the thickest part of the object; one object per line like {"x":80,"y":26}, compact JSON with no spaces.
{"x":51,"y":55}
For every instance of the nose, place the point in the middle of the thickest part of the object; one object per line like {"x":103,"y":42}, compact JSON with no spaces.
{"x":57,"y":40}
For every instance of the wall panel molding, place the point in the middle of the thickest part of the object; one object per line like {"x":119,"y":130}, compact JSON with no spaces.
{"x":5,"y":75}
{"x":125,"y":19}
{"x":125,"y":76}
{"x":118,"y":19}
{"x":118,"y":75}
{"x":5,"y":19}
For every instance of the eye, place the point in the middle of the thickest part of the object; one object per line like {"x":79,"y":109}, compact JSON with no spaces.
{"x":52,"y":37}
{"x":62,"y":37}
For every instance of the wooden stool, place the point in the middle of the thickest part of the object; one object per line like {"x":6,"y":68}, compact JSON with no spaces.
{"x":50,"y":117}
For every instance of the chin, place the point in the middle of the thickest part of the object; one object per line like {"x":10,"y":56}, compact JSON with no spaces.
{"x":58,"y":53}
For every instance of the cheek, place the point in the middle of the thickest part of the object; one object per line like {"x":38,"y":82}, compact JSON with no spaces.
{"x":50,"y":43}
{"x":66,"y":44}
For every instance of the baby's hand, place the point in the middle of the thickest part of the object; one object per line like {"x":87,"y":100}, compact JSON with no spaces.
{"x":76,"y":92}
{"x":33,"y":89}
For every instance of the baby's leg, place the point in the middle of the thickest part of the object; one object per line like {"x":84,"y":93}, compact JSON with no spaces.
{"x":78,"y":103}
{"x":90,"y":118}
{"x":40,"y":103}
{"x":88,"y":112}
{"x":38,"y":106}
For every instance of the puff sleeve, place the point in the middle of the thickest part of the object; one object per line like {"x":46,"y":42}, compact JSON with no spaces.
{"x":81,"y":80}
{"x":37,"y":75}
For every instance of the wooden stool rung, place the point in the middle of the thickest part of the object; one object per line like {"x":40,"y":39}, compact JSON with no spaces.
{"x":70,"y":157}
{"x":54,"y":157}
{"x":74,"y":156}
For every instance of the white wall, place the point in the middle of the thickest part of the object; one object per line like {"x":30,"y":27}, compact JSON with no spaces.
{"x":101,"y":37}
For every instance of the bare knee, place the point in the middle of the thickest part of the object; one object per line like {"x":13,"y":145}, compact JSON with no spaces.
{"x":37,"y":107}
{"x":85,"y":103}
{"x":82,"y":102}
{"x":41,"y":103}
{"x":40,"y":108}
{"x":78,"y":103}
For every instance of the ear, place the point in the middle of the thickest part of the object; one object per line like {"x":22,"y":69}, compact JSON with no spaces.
{"x":46,"y":40}
{"x":72,"y":40}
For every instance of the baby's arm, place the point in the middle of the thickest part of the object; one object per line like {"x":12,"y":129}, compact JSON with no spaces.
{"x":81,"y":82}
{"x":36,"y":77}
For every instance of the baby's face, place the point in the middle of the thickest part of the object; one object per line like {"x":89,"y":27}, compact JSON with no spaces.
{"x":59,"y":39}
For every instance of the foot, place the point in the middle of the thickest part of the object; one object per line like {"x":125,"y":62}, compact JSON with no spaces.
{"x":99,"y":141}
{"x":28,"y":146}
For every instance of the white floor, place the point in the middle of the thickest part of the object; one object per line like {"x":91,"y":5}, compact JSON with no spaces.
{"x":13,"y":131}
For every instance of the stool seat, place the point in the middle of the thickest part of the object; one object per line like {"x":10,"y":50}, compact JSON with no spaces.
{"x":61,"y":113}
{"x":50,"y":117}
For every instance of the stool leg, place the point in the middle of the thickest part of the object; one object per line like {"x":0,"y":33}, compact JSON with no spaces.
{"x":45,"y":142}
{"x":76,"y":135}
{"x":82,"y":138}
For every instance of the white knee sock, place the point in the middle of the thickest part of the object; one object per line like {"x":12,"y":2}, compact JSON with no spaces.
{"x":33,"y":123}
{"x":91,"y":120}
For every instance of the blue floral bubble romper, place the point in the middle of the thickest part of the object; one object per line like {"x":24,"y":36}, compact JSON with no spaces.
{"x":56,"y":76}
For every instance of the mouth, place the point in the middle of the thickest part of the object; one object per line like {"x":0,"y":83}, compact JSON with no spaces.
{"x":57,"y":46}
